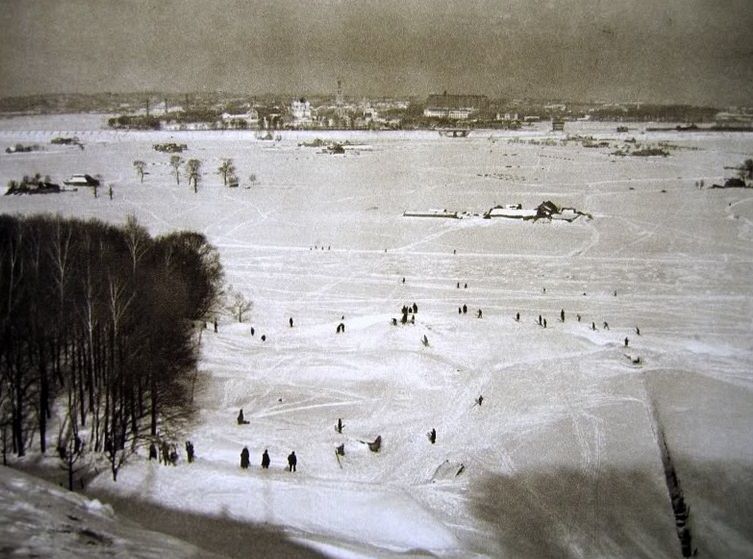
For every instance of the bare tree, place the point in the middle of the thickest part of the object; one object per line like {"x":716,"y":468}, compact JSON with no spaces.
{"x":70,"y":445}
{"x":193,"y":167}
{"x":237,"y":303}
{"x":140,"y":165}
{"x":226,"y":169}
{"x":137,"y":240}
{"x":175,"y":162}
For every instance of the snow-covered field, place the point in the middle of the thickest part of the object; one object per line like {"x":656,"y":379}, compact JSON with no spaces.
{"x":561,"y":459}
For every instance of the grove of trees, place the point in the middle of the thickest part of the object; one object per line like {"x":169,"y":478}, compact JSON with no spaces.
{"x":98,"y":330}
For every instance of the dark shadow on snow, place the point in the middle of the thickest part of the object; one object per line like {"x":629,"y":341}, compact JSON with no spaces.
{"x":220,"y":535}
{"x":618,"y":513}
{"x":569,"y":513}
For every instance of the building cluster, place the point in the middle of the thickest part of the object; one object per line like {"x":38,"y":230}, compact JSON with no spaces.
{"x":438,"y":110}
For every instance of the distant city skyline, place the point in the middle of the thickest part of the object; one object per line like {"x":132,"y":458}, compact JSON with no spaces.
{"x":676,"y":51}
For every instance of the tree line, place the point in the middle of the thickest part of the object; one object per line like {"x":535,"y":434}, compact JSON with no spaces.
{"x":98,"y":329}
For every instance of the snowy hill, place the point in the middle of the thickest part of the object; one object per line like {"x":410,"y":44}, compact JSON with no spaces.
{"x":42,"y":520}
{"x":562,"y":459}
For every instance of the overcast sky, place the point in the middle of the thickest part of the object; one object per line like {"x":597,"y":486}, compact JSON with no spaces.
{"x":686,"y":51}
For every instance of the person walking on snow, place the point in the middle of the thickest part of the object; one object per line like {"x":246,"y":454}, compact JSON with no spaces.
{"x":292,"y":461}
{"x":265,"y":460}
{"x":244,"y":458}
{"x":290,"y":321}
{"x":433,"y":436}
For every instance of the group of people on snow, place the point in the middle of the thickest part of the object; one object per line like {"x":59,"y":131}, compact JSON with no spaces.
{"x":266,"y":461}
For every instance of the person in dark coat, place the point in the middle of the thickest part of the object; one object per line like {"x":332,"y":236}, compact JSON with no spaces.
{"x":480,"y":400}
{"x":517,"y":317}
{"x":265,"y":460}
{"x":433,"y":436}
{"x":415,"y":307}
{"x":465,"y":308}
{"x":290,"y":321}
{"x":189,"y":451}
{"x":480,"y":314}
{"x":252,"y":330}
{"x":339,"y":425}
{"x":241,"y":421}
{"x":562,"y":315}
{"x":626,"y":341}
{"x":152,"y":452}
{"x":292,"y":461}
{"x":215,"y":325}
{"x":244,"y":458}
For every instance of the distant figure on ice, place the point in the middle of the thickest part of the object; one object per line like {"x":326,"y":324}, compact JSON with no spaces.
{"x":252,"y":331}
{"x":339,"y":426}
{"x":173,"y":455}
{"x":465,"y":308}
{"x":215,"y":325}
{"x":340,"y":450}
{"x":606,"y":326}
{"x":458,"y":285}
{"x":480,"y":314}
{"x":263,"y":337}
{"x":460,"y":310}
{"x":545,"y":323}
{"x":241,"y":420}
{"x":615,"y":293}
{"x":562,"y":315}
{"x":480,"y":400}
{"x":593,"y":326}
{"x":394,"y":322}
{"x":244,"y":458}
{"x":637,"y":331}
{"x":578,"y":317}
{"x":403,"y":280}
{"x":425,"y":340}
{"x":292,"y":461}
{"x":465,"y":286}
{"x":626,"y":341}
{"x":265,"y":460}
{"x":540,"y":322}
{"x":415,"y":308}
{"x":517,"y":317}
{"x":543,"y":289}
{"x":189,"y":451}
{"x":109,"y":191}
{"x":432,"y":436}
{"x":413,"y":319}
{"x":290,"y":321}
{"x":152,"y":452}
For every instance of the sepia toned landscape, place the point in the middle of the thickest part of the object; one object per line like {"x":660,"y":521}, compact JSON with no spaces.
{"x":486,"y":326}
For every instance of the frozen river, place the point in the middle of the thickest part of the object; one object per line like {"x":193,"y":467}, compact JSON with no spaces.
{"x":562,"y":457}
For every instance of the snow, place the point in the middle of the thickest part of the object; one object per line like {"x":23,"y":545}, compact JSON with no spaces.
{"x":561,"y":458}
{"x":42,"y":520}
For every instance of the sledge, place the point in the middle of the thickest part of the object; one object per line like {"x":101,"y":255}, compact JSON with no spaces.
{"x":340,"y":451}
{"x":375,"y":445}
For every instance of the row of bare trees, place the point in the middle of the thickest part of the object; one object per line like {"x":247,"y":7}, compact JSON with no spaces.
{"x":193,"y":169}
{"x":97,"y":331}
